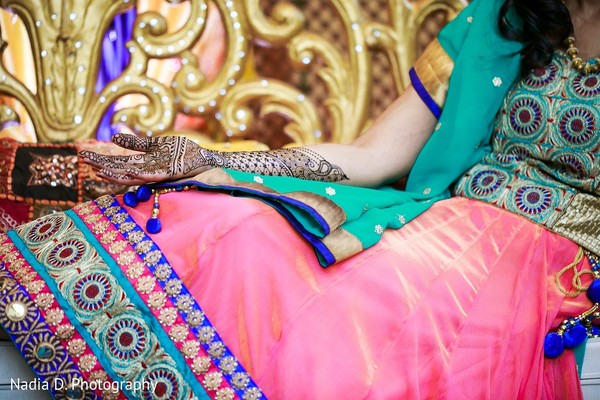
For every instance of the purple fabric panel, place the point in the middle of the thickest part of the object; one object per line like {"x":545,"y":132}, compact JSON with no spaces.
{"x":115,"y":58}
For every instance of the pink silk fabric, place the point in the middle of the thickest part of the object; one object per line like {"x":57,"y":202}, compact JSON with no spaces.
{"x":455,"y":305}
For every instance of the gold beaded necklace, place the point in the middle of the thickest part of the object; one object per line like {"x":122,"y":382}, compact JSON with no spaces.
{"x":583,"y":67}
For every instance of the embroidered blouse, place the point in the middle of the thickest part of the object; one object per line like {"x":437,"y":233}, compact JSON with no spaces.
{"x":545,"y":158}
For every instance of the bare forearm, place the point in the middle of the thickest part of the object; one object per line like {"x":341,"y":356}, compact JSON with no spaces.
{"x":385,"y":153}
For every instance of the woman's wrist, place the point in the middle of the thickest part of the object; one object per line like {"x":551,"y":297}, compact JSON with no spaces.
{"x":296,"y":162}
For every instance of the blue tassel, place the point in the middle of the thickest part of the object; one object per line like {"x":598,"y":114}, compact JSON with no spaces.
{"x":153,"y":225}
{"x":574,"y":335}
{"x":593,"y":292}
{"x":130,"y":199}
{"x":143,"y":193}
{"x":553,"y":345}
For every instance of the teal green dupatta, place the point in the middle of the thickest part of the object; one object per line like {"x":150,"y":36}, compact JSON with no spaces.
{"x":341,"y":220}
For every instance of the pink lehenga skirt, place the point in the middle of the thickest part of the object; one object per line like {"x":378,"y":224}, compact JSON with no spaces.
{"x":455,"y":305}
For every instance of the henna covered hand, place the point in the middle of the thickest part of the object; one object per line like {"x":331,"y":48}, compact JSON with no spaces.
{"x":160,"y":158}
{"x":175,"y":157}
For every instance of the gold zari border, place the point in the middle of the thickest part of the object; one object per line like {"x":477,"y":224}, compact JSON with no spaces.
{"x":434,"y":68}
{"x":580,"y":222}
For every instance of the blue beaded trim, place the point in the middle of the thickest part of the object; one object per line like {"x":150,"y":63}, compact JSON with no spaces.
{"x":53,"y":366}
{"x":237,"y":377}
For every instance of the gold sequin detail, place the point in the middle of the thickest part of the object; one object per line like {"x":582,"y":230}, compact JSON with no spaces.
{"x":87,"y":362}
{"x":216,"y":349}
{"x":110,"y":394}
{"x":126,"y":227}
{"x":135,"y":270}
{"x":92,"y":218}
{"x":136,"y":237}
{"x":21,"y":274}
{"x":225,"y":394}
{"x":163,"y":271}
{"x":145,"y":284}
{"x":9,"y":258}
{"x":240,"y":380}
{"x":143,"y":247}
{"x":153,"y":257}
{"x":178,"y":333}
{"x":44,"y":301}
{"x":157,"y":300}
{"x":117,"y":247}
{"x":76,"y":347}
{"x":168,"y":316}
{"x":105,"y":201}
{"x":110,"y":211}
{"x":206,"y":334}
{"x":65,"y":331}
{"x":252,"y":394}
{"x":173,"y":287}
{"x":126,"y":257}
{"x":201,"y":365}
{"x":108,"y":237}
{"x":184,"y":302}
{"x":119,"y":218}
{"x":98,"y":376}
{"x":28,"y":277}
{"x":16,"y":265}
{"x":228,"y":364}
{"x":54,"y":316}
{"x":195,"y":318}
{"x":100,"y":227}
{"x":84,"y":208}
{"x":190,"y":348}
{"x":6,"y":248}
{"x":213,"y":380}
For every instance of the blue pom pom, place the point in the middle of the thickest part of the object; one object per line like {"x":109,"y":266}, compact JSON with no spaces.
{"x":130,"y":199}
{"x":143,"y":193}
{"x":593,"y":292}
{"x":553,"y":345}
{"x":153,"y":225}
{"x":574,"y":336}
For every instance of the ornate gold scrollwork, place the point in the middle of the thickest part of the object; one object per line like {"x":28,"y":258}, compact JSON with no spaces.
{"x":195,"y":94}
{"x":66,"y":38}
{"x":276,"y":97}
{"x":398,"y":40}
{"x":285,"y":22}
{"x":347,"y":77}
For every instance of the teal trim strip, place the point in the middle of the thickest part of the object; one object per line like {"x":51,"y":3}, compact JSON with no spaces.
{"x":579,"y":352}
{"x":41,"y":270}
{"x":166,"y":342}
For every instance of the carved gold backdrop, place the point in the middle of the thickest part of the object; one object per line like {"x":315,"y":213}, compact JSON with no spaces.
{"x":285,"y":72}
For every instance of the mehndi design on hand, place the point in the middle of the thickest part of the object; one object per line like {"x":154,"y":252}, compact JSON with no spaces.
{"x":295,"y":162}
{"x":161,"y":158}
{"x":176,"y":157}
